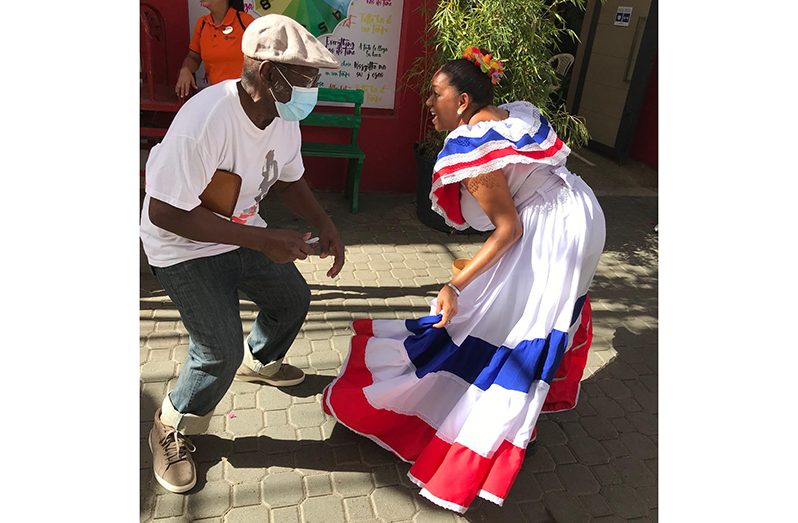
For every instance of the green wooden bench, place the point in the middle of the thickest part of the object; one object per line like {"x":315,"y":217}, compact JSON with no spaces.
{"x":323,"y":117}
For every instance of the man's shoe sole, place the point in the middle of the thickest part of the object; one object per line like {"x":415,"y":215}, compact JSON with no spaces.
{"x":268,"y":381}
{"x":168,"y":486}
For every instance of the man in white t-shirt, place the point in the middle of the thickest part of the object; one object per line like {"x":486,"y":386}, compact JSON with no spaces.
{"x":249,"y":127}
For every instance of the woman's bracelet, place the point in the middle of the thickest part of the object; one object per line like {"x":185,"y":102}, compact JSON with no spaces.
{"x":454,"y":288}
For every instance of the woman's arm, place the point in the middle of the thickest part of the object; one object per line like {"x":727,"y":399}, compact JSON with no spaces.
{"x":493,"y":195}
{"x":186,"y":78}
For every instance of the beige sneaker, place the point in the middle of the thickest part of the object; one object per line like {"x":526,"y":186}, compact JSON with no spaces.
{"x":171,"y":457}
{"x":285,"y":377}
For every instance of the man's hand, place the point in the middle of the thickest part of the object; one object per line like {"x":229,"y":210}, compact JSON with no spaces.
{"x":283,"y":245}
{"x":331,"y":243}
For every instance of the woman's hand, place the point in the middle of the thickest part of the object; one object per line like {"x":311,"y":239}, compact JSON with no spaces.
{"x":185,"y":81}
{"x":446,"y":305}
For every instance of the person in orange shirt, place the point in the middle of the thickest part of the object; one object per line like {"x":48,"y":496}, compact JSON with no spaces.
{"x":216,"y":42}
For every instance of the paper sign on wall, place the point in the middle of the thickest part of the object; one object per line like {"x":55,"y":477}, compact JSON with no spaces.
{"x":622,"y":16}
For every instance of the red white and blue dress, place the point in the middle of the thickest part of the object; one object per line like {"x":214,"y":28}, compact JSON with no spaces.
{"x":461,"y":402}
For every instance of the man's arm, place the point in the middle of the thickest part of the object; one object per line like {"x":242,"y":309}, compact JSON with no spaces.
{"x":299,"y":199}
{"x":200,"y":224}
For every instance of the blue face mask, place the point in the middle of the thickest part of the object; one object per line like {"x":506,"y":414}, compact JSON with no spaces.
{"x":302,"y":102}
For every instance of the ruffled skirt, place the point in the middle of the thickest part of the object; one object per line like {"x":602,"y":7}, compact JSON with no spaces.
{"x":461,"y":402}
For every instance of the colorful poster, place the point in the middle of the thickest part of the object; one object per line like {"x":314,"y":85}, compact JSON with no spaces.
{"x":363,"y":34}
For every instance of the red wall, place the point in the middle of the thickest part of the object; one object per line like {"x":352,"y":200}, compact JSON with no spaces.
{"x":645,"y":146}
{"x":386,"y":136}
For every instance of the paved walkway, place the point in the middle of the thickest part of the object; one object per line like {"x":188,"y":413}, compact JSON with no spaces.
{"x":272,"y":455}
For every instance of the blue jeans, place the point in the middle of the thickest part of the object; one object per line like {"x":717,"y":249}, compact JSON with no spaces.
{"x":205,"y":292}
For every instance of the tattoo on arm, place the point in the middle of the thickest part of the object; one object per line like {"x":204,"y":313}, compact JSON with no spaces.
{"x":488,"y":181}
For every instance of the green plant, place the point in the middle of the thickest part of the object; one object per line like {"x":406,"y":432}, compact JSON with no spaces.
{"x":524,"y":34}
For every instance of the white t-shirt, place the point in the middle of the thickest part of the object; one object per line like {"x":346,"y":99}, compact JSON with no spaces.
{"x":210,"y":132}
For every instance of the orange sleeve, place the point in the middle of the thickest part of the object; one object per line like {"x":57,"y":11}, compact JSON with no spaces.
{"x":194,"y":44}
{"x":246,"y":18}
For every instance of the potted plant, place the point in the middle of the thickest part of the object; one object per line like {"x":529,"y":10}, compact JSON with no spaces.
{"x":523,"y":34}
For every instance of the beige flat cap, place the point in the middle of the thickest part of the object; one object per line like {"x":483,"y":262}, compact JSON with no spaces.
{"x":278,"y":38}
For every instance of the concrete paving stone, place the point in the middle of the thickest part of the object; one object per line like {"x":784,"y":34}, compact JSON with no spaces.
{"x":305,"y":415}
{"x":489,"y":512}
{"x":534,"y":512}
{"x":246,"y":400}
{"x":157,"y":341}
{"x":621,"y":370}
{"x":280,"y":433}
{"x":578,"y":479}
{"x":614,"y":388}
{"x":525,"y":488}
{"x":244,"y":445}
{"x":550,"y":433}
{"x":549,"y":481}
{"x":309,"y":434}
{"x":274,"y":417}
{"x":565,"y":507}
{"x":606,"y":407}
{"x":366,"y":275}
{"x":311,"y":459}
{"x":373,"y":454}
{"x":318,"y":485}
{"x":609,"y":519}
{"x":246,"y":494}
{"x":652,"y":465}
{"x":146,"y":326}
{"x":213,"y":500}
{"x":598,"y":428}
{"x":180,"y":353}
{"x":651,"y":382}
{"x":347,"y":454}
{"x":629,"y":405}
{"x":330,"y":360}
{"x":625,"y":501}
{"x":247,"y":422}
{"x":596,"y":505}
{"x":640,"y":446}
{"x":649,"y":494}
{"x":623,"y":425}
{"x":162,"y":326}
{"x":300,"y":347}
{"x":539,"y":461}
{"x":383,"y":476}
{"x":574,"y":429}
{"x":323,"y":509}
{"x":588,"y":451}
{"x":169,"y":505}
{"x":285,"y":515}
{"x":605,"y":474}
{"x":393,"y":503}
{"x":560,"y":454}
{"x":158,"y":371}
{"x":634,"y":473}
{"x":158,"y":355}
{"x":247,"y":514}
{"x":282,"y":489}
{"x":217,"y":425}
{"x":358,"y":509}
{"x":644,"y":422}
{"x":615,"y":448}
{"x":642,"y":369}
{"x":251,"y":473}
{"x":436,"y":515}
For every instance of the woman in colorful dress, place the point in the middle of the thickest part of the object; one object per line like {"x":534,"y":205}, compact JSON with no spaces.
{"x":458,"y":393}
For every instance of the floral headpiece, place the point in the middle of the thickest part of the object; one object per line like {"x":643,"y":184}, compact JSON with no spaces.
{"x":489,"y":65}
